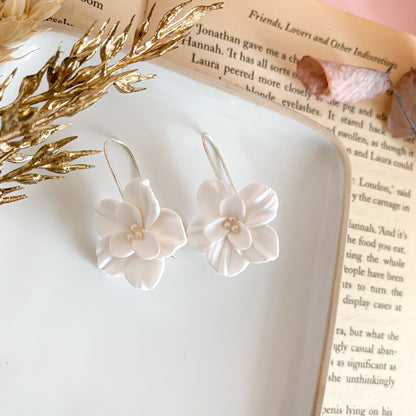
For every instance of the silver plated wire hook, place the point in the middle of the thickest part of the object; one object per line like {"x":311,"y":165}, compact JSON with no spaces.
{"x":216,"y":159}
{"x":128,"y":150}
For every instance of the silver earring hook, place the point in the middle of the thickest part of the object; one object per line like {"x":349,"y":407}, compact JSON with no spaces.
{"x":128,"y":150}
{"x":217,"y":163}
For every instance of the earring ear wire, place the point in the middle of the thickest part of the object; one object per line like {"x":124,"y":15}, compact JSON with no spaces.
{"x":218,"y":164}
{"x":129,"y":151}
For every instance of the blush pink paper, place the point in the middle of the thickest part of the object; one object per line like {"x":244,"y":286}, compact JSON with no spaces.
{"x":400,"y":15}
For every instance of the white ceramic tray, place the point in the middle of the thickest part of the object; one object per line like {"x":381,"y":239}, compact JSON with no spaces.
{"x":75,"y":341}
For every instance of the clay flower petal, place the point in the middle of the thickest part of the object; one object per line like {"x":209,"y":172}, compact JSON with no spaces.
{"x":120,"y":246}
{"x":233,"y":206}
{"x":210,"y":194}
{"x":346,"y":83}
{"x":265,"y":246}
{"x":139,"y":194}
{"x":143,"y":274}
{"x":127,"y":214}
{"x":261,"y":204}
{"x":224,"y":258}
{"x":241,"y":240}
{"x":397,"y":122}
{"x":196,"y":236}
{"x":169,"y":231}
{"x":112,"y":265}
{"x":215,"y":230}
{"x":105,"y":220}
{"x":147,"y":248}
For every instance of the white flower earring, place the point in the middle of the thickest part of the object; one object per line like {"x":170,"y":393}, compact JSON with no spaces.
{"x":137,"y":235}
{"x":233,"y":227}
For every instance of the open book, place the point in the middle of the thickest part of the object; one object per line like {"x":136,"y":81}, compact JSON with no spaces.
{"x":255,"y":46}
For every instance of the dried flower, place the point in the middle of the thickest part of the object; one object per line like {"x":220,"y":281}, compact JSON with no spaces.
{"x":346,"y":83}
{"x":19,"y":20}
{"x":29,"y":120}
{"x":403,"y":108}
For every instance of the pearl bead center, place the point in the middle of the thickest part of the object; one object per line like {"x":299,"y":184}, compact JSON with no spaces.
{"x":230,"y":224}
{"x":135,"y":233}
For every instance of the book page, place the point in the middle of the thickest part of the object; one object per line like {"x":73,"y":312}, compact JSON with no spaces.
{"x":256,"y":46}
{"x":77,"y":15}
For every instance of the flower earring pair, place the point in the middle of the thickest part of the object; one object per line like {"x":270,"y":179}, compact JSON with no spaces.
{"x":233,"y":231}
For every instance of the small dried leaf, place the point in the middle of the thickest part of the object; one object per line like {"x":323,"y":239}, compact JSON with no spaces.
{"x":19,"y":158}
{"x":6,"y":191}
{"x":31,"y":83}
{"x":170,"y":15}
{"x":34,"y":178}
{"x":9,"y":199}
{"x":188,"y":20}
{"x":6,"y":83}
{"x":141,"y":31}
{"x":108,"y":44}
{"x":64,"y":168}
{"x":397,"y":122}
{"x":52,"y":72}
{"x":125,"y":84}
{"x":346,"y":83}
{"x":66,"y":156}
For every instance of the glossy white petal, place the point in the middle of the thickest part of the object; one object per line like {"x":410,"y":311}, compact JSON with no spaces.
{"x":196,"y":237}
{"x":210,"y":194}
{"x":214,"y":230}
{"x":106,"y":261}
{"x":127,"y":214}
{"x":242,"y":239}
{"x":142,"y":197}
{"x":261,"y":204}
{"x":169,"y":231}
{"x":265,"y":245}
{"x":143,"y":274}
{"x":233,"y":206}
{"x":224,"y":258}
{"x":148,"y":248}
{"x":120,"y":246}
{"x":105,"y":218}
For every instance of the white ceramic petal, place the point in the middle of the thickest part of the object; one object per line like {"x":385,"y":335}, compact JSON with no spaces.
{"x":142,"y":197}
{"x":106,"y":261}
{"x":105,"y":218}
{"x":143,"y":274}
{"x":103,"y":252}
{"x":242,"y":239}
{"x":261,"y":204}
{"x":107,"y":208}
{"x":214,"y":230}
{"x":169,"y":231}
{"x":210,"y":194}
{"x":115,"y":266}
{"x":120,"y":246}
{"x":224,"y":258}
{"x":265,"y":245}
{"x":233,"y":206}
{"x":127,"y":214}
{"x":148,"y":248}
{"x":196,"y":237}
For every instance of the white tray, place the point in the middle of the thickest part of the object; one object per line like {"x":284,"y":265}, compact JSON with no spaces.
{"x":75,"y":341}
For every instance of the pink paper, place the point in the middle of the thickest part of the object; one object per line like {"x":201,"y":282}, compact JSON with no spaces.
{"x":400,"y":15}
